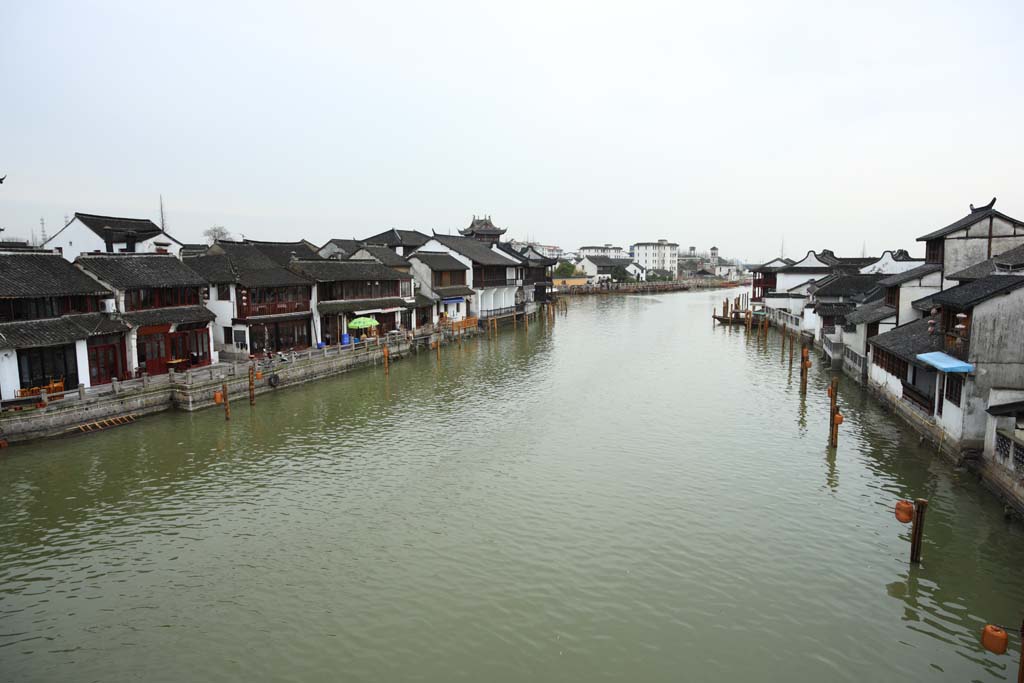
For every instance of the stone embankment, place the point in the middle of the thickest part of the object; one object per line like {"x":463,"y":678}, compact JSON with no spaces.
{"x":86,"y":410}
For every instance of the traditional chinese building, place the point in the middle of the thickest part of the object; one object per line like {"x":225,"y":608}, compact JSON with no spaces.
{"x":161,"y":300}
{"x":56,"y":327}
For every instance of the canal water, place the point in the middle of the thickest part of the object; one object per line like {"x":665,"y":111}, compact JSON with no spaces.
{"x":628,"y":494}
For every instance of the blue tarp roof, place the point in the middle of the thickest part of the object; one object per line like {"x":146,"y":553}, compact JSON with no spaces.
{"x":944,"y":362}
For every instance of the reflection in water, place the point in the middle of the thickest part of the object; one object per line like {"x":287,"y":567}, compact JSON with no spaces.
{"x":622,"y":495}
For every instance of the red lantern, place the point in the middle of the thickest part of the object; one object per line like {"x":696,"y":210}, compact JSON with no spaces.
{"x":904,"y":511}
{"x":994,"y":639}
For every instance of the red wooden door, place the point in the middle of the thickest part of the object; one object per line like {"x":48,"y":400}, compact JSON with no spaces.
{"x":102,"y":364}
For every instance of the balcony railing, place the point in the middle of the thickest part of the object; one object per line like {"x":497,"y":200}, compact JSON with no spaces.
{"x":957,"y":346}
{"x":496,"y":282}
{"x":1008,"y":445}
{"x":274,"y":308}
{"x":497,"y":312}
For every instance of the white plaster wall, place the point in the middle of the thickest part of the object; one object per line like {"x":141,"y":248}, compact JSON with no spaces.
{"x":82,"y":359}
{"x":889,"y":384}
{"x":952,"y":418}
{"x":224,"y":310}
{"x":887,"y":265}
{"x":10,"y":380}
{"x":74,"y":239}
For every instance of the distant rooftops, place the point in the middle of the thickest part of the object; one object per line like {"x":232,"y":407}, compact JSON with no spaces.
{"x":482,"y":226}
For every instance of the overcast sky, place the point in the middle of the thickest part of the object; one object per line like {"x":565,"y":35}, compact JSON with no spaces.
{"x":732,"y":123}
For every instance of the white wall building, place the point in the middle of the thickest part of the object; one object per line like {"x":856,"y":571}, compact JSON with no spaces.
{"x":660,"y":255}
{"x":88,"y":233}
{"x":606,"y":250}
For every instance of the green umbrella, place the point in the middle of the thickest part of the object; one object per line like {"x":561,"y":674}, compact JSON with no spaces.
{"x":362,"y":323}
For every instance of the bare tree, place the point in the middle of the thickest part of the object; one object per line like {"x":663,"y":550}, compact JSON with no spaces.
{"x":216,"y":232}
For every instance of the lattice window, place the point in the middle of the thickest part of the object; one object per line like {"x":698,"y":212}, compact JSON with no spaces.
{"x":1018,"y":457}
{"x":1003,"y":446}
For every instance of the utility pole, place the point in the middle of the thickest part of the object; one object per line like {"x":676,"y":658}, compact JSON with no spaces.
{"x":163,"y":224}
{"x":42,"y":228}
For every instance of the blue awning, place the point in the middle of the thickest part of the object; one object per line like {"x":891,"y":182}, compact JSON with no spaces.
{"x":944,"y":362}
{"x":453,"y":299}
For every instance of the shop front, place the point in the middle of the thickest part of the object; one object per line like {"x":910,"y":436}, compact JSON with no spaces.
{"x":272,"y":336}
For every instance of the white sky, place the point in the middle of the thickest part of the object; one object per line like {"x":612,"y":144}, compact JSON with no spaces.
{"x":729,"y":123}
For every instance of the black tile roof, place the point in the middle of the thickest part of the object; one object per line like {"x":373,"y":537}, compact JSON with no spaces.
{"x":476,"y":250}
{"x":216,"y":268}
{"x":609,"y":261}
{"x":439,"y":260}
{"x":398,"y":238}
{"x":348,"y":247}
{"x":977,"y":291}
{"x":327,"y":270}
{"x":27,"y":334}
{"x":454,"y":290}
{"x":1010,"y":260}
{"x":764,"y":267}
{"x":923,"y":304}
{"x":908,"y":275}
{"x":383,"y":255}
{"x":351,"y":305}
{"x":507,"y":249}
{"x":906,"y":341}
{"x":848,"y":285}
{"x":35,"y":274}
{"x":834,"y":310}
{"x":283,"y":252}
{"x":171,"y":314}
{"x":976,"y":214}
{"x":129,"y":271}
{"x":116,"y":229}
{"x":276,"y":317}
{"x":872,"y":312}
{"x":422,"y":300}
{"x":253,"y":268}
{"x":482,"y":226}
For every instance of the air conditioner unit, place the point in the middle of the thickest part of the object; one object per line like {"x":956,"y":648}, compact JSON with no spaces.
{"x":107,"y":306}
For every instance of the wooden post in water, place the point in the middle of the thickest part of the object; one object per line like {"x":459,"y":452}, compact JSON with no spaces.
{"x":917,"y":530}
{"x":805,"y":364}
{"x":437,"y":345}
{"x":833,"y":396}
{"x":252,"y":384}
{"x":227,"y":403}
{"x":387,"y":354}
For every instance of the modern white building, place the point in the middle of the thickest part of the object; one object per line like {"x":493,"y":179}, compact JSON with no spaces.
{"x":606,"y":250}
{"x":86,"y":233}
{"x":660,"y":255}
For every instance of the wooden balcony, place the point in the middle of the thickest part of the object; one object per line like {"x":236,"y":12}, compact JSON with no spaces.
{"x":275,"y":308}
{"x":957,"y":346}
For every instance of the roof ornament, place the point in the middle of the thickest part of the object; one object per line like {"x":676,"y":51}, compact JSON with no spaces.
{"x":984,"y":208}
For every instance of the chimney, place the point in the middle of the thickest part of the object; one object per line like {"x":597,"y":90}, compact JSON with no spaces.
{"x":129,"y":238}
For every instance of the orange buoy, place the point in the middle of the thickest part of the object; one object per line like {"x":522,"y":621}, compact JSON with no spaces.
{"x":904,"y":511}
{"x":994,"y":639}
{"x":259,"y":374}
{"x":838,"y":418}
{"x":218,"y":397}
